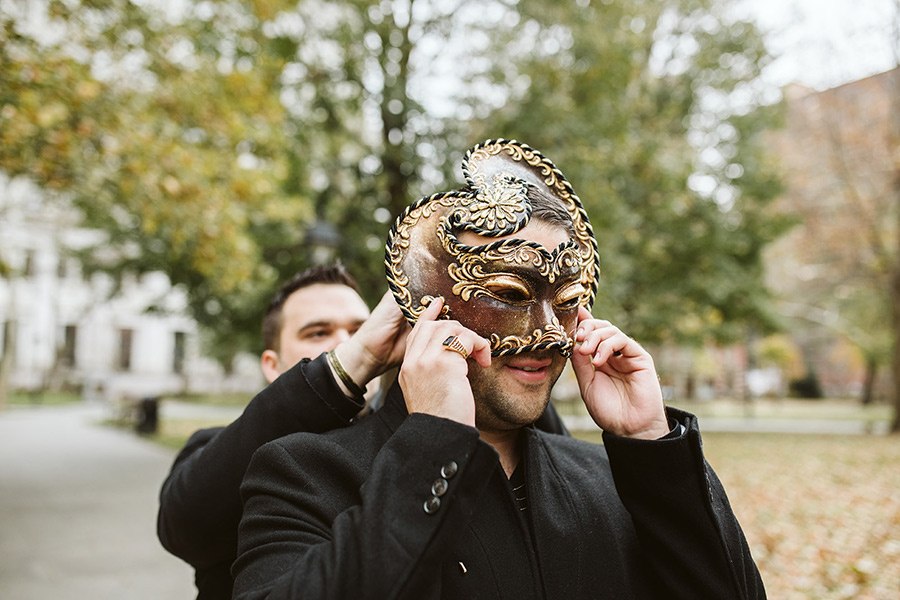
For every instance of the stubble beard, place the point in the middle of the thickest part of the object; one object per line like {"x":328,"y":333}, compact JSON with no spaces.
{"x":503,"y":404}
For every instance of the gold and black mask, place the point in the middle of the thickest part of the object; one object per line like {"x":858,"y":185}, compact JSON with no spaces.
{"x":462,"y":245}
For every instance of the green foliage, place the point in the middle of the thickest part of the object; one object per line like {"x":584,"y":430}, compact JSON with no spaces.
{"x":42,"y":398}
{"x":650,"y":110}
{"x":205,"y":143}
{"x":176,"y":153}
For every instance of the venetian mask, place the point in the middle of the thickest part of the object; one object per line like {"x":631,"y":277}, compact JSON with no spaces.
{"x":484,"y":248}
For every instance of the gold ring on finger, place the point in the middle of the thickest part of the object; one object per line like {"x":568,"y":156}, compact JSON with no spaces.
{"x":453,"y":343}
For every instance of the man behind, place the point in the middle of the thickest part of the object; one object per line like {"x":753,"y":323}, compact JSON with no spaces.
{"x":200,"y":505}
{"x":446,"y":492}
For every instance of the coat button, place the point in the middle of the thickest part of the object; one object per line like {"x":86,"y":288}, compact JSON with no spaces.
{"x":432,"y":505}
{"x":439,"y":487}
{"x":449,"y":470}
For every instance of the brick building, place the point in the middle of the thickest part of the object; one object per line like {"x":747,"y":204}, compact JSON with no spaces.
{"x":831,"y":272}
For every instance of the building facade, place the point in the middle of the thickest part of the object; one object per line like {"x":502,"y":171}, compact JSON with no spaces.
{"x":61,"y":329}
{"x":832,"y":272}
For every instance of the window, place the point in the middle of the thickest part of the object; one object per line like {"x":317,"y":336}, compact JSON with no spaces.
{"x":124,"y":359}
{"x":179,"y":352}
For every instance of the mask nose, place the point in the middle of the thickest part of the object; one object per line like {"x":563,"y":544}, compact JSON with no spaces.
{"x":542,"y":315}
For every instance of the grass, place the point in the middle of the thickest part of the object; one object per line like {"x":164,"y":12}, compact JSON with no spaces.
{"x":42,"y":398}
{"x":236,"y":399}
{"x":769,"y":408}
{"x":173,"y":433}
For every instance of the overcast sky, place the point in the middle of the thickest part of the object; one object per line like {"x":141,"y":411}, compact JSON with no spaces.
{"x":823,"y":43}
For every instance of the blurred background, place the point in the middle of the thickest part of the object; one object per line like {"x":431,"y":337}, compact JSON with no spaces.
{"x":165,"y":164}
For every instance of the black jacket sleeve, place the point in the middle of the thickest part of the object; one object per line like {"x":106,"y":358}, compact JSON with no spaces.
{"x":200,"y":504}
{"x":682,"y":516}
{"x":312,"y":529}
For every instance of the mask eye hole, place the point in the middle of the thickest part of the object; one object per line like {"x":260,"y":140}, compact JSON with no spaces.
{"x":568,"y":297}
{"x":508,"y":289}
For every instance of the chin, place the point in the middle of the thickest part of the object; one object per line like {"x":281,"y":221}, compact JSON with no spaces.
{"x":507,"y":413}
{"x":505,"y":401}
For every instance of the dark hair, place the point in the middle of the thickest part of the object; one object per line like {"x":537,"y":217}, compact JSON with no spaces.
{"x":550,"y":210}
{"x":272,"y":322}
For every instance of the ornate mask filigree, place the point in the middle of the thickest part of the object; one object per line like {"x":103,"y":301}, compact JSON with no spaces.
{"x":515,"y":292}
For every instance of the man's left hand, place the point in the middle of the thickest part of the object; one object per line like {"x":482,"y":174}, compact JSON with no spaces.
{"x":618,"y":381}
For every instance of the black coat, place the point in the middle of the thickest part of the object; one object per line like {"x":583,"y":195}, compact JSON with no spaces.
{"x":352,"y":514}
{"x":200,"y":504}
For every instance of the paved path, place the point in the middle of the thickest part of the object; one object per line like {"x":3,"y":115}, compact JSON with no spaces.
{"x":178,"y":409}
{"x":78,"y":505}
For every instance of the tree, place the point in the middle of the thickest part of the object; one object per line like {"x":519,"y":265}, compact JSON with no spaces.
{"x":367,"y":84}
{"x":167,"y":139}
{"x":8,"y":345}
{"x":839,"y":157}
{"x":894,"y":142}
{"x":206,"y":143}
{"x":656,"y":112}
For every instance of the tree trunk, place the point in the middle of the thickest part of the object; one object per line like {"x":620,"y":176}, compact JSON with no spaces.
{"x":895,"y":286}
{"x":895,"y":359}
{"x":6,"y":360}
{"x":895,"y":283}
{"x":868,"y":391}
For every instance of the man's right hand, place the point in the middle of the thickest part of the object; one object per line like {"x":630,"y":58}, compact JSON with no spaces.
{"x":434,"y":378}
{"x":378,"y":345}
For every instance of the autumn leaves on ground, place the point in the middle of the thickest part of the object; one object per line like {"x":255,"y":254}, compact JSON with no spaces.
{"x":821,"y":513}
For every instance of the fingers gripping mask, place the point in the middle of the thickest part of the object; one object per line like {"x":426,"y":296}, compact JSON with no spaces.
{"x":512,"y":253}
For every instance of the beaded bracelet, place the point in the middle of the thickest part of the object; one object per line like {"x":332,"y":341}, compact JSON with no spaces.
{"x":357,"y":391}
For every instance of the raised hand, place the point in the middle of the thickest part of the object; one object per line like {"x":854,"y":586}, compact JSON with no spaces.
{"x":377,"y":345}
{"x":434,"y":369}
{"x":618,"y":380}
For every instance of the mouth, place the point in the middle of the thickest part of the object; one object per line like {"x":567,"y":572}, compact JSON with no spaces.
{"x":528,"y":369}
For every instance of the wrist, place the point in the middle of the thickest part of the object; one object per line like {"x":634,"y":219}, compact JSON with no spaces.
{"x":357,"y":362}
{"x":654,"y":430}
{"x":344,"y":381}
{"x":655,"y":433}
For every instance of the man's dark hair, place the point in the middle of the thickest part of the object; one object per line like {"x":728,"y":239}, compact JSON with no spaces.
{"x":549,"y":209}
{"x":331,"y":274}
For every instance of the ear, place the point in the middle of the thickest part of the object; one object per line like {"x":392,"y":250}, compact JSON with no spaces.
{"x":269,"y":363}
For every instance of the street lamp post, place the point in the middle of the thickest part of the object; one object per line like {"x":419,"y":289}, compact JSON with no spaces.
{"x":322,"y":240}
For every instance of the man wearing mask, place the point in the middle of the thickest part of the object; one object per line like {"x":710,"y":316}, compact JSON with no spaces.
{"x":448,"y":491}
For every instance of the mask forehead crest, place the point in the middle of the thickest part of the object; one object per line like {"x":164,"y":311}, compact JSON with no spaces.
{"x":494,"y":202}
